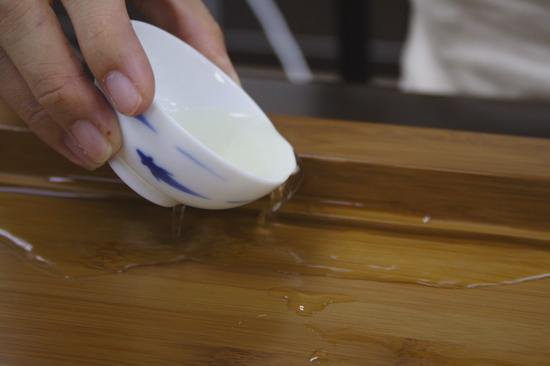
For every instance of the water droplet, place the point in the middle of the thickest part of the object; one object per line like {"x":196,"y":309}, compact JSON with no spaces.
{"x":319,"y":356}
{"x":177,"y":221}
{"x":307,"y":303}
{"x":283,"y":193}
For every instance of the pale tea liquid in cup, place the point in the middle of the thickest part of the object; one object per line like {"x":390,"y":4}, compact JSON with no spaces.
{"x":242,"y":140}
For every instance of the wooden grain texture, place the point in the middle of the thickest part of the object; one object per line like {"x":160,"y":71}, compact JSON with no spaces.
{"x":434,"y":149}
{"x":377,"y":201}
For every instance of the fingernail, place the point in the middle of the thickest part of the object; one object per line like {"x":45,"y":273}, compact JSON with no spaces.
{"x":90,"y":141}
{"x":122,"y":93}
{"x":77,"y":155}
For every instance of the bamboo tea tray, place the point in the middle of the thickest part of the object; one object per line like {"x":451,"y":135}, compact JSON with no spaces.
{"x":403,"y":246}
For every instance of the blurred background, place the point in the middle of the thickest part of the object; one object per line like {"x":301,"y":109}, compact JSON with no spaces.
{"x":352,"y":41}
{"x":341,"y":59}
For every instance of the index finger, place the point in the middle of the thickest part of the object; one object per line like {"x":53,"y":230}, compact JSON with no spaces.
{"x":113,"y":52}
{"x":33,"y":40}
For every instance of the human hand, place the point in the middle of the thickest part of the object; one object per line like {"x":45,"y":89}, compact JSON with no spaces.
{"x":42,"y":79}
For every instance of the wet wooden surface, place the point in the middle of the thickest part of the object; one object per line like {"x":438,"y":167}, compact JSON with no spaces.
{"x":384,"y":257}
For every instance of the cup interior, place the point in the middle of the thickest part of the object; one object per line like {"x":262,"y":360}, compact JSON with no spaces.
{"x":211,"y":107}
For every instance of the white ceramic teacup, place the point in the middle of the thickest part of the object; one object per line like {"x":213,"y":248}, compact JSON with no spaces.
{"x":203,"y":142}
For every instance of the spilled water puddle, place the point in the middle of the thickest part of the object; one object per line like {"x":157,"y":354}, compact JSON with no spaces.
{"x":307,"y":303}
{"x":77,"y":226}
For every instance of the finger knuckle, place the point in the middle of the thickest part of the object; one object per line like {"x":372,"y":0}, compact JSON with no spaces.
{"x":51,"y":91}
{"x":13,"y":10}
{"x":7,"y":6}
{"x":37,"y":118}
{"x":15,"y":17}
{"x":97,"y":34}
{"x":55,"y":91}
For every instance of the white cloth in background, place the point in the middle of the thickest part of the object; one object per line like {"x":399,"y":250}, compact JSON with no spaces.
{"x":484,"y":48}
